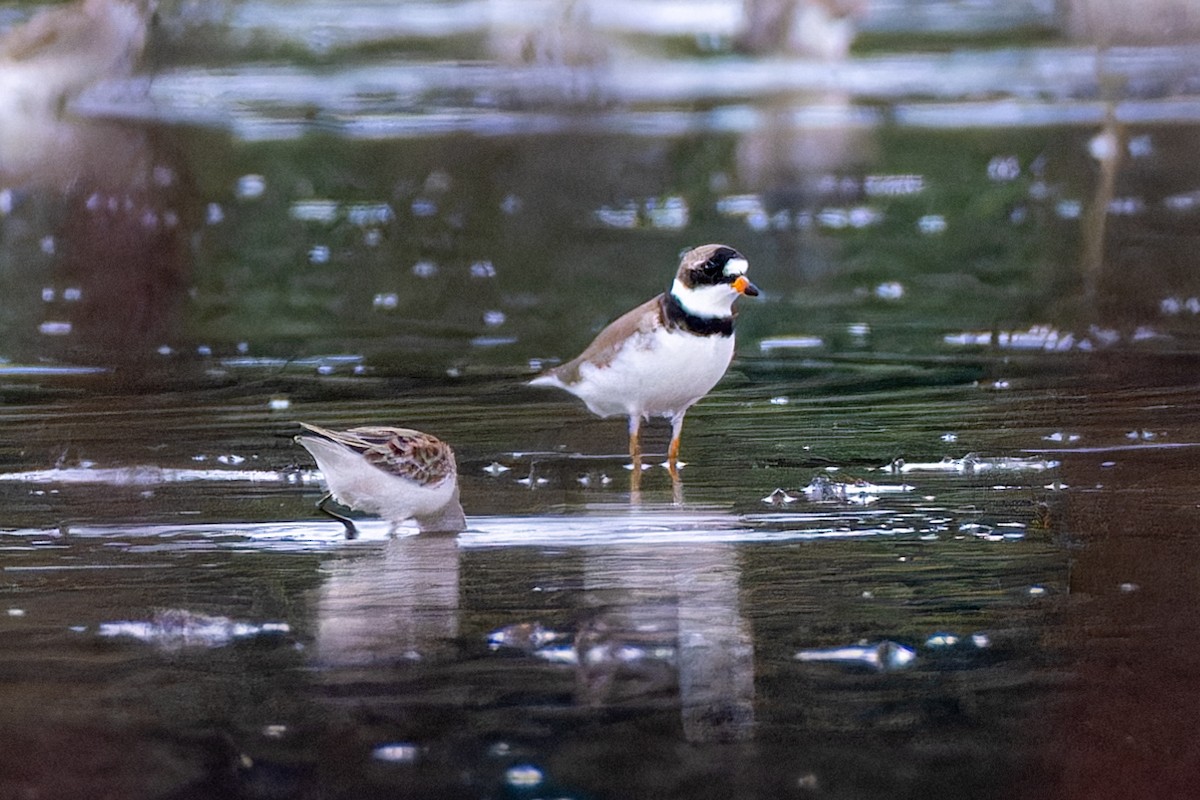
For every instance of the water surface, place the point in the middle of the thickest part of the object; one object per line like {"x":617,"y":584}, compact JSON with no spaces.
{"x":934,"y":537}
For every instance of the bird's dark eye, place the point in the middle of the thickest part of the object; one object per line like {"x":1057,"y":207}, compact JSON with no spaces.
{"x":715,"y":265}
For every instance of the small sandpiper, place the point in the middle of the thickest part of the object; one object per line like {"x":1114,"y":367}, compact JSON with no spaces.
{"x":663,"y":356}
{"x":396,"y":473}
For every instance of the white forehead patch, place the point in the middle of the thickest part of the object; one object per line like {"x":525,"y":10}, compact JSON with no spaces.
{"x":736,"y":266}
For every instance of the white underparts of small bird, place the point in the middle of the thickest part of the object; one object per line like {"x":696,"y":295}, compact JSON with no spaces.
{"x":399,"y":474}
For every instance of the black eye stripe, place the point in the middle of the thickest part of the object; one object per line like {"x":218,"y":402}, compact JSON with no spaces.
{"x":712,"y":270}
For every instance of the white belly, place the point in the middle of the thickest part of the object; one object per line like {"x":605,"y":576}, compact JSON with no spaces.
{"x":660,"y":374}
{"x":358,"y":484}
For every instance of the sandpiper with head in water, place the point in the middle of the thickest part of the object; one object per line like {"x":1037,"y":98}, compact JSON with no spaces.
{"x":399,"y":474}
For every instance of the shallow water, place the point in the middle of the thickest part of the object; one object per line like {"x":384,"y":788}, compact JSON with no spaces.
{"x":935,"y":532}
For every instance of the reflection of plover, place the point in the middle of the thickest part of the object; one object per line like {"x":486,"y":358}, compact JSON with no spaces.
{"x":663,"y":356}
{"x":397,"y":473}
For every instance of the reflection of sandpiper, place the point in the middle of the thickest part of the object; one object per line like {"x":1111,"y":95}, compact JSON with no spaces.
{"x":397,"y":473}
{"x":663,"y":356}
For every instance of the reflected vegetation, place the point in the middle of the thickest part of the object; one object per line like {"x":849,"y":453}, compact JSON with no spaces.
{"x":935,"y":532}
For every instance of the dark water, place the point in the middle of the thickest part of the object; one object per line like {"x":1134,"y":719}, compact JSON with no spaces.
{"x":936,"y":532}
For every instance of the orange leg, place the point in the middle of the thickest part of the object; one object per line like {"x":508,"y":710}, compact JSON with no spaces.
{"x":635,"y":441}
{"x":635,"y":453}
{"x":673,"y":450}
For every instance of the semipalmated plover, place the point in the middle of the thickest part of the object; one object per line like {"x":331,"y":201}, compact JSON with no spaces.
{"x":396,"y":473}
{"x":660,"y":358}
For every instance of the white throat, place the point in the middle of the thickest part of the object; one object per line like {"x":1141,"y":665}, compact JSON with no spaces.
{"x":705,"y":301}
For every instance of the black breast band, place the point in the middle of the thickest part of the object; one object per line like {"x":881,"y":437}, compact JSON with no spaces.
{"x":678,"y":317}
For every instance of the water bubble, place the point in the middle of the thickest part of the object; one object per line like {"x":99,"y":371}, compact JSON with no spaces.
{"x":1141,"y":146}
{"x":274,"y":731}
{"x":372,"y":237}
{"x":524,"y":776}
{"x":789,"y":342}
{"x":425,"y":269}
{"x":6,"y":202}
{"x":386,"y":300}
{"x":1103,"y":146}
{"x":72,"y":294}
{"x":483,"y":269}
{"x":318,"y":254}
{"x":931,"y":224}
{"x":396,"y":753}
{"x":778,"y":401}
{"x":1126,"y":206}
{"x":279,"y":404}
{"x":739,"y":205}
{"x":671,"y":213}
{"x":48,"y":294}
{"x":314,"y":210}
{"x":54,"y":328}
{"x":834,"y":218}
{"x":890,"y":290}
{"x":808,"y":782}
{"x":47,"y":245}
{"x":364,"y":214}
{"x":625,"y":217}
{"x":1069,"y":209}
{"x":493,"y":319}
{"x":1037,"y":591}
{"x":495,"y":468}
{"x":510,"y":205}
{"x":214,"y":214}
{"x":862,"y":216}
{"x":437,"y":181}
{"x":16,"y":612}
{"x":1004,"y":168}
{"x":942,"y":640}
{"x":893,"y":185}
{"x":422,"y":207}
{"x":1182,"y":202}
{"x":250,"y":187}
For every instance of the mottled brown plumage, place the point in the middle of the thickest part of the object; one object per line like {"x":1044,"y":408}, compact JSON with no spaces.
{"x":399,"y":473}
{"x":417,"y":456}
